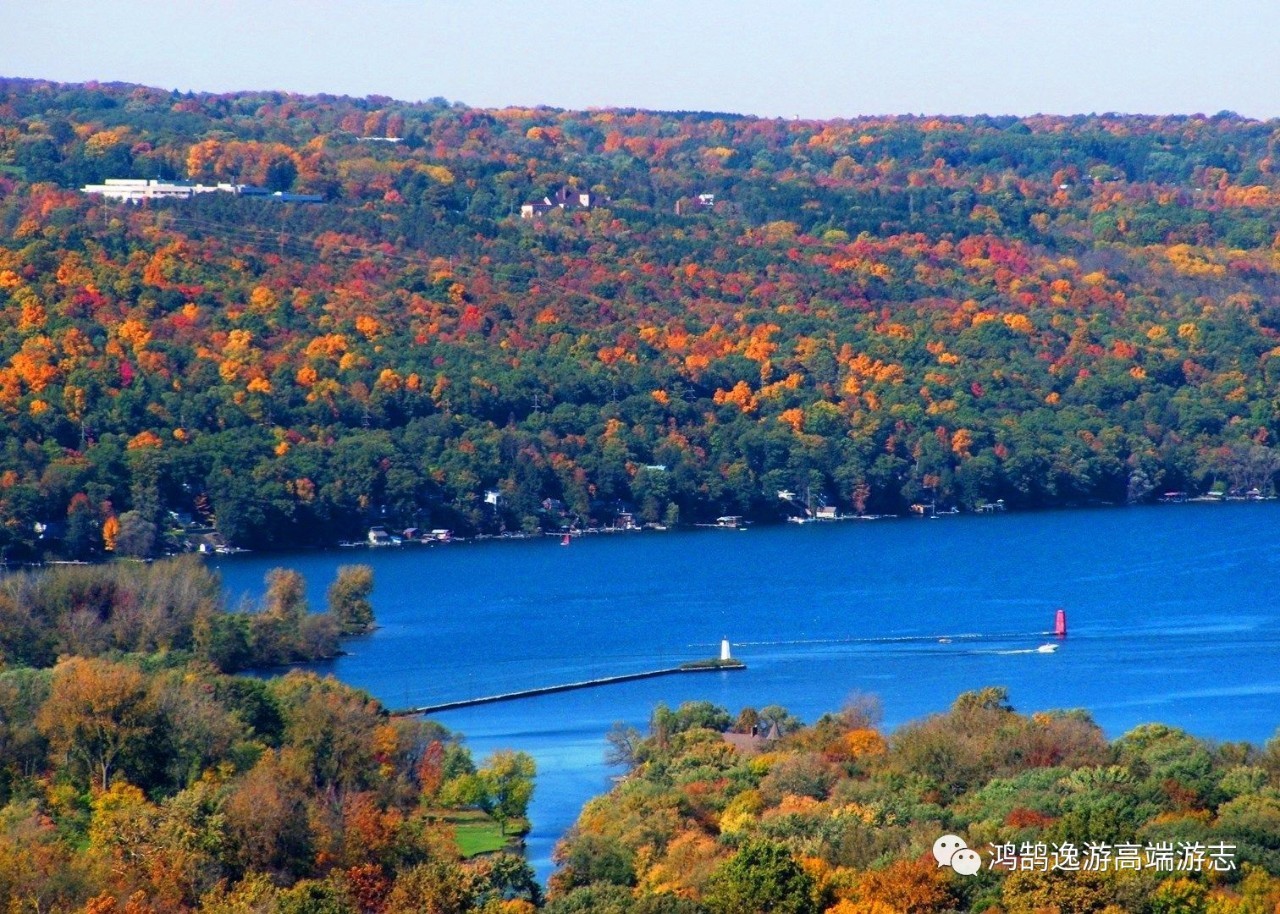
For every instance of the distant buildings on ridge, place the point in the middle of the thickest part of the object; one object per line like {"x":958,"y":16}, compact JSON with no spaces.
{"x":137,"y":190}
{"x":572,"y":198}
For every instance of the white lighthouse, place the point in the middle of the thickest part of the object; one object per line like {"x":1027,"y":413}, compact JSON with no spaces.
{"x":724,"y":649}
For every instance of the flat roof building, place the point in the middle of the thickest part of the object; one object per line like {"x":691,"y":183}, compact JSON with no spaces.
{"x":136,"y":190}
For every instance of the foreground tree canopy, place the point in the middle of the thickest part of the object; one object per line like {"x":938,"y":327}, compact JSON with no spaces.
{"x":874,"y":312}
{"x":840,"y":818}
{"x":135,"y":777}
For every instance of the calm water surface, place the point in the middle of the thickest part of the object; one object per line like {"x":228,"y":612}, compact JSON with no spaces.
{"x":1173,"y":618}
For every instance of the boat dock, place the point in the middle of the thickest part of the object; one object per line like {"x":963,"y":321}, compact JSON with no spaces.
{"x":698,"y":666}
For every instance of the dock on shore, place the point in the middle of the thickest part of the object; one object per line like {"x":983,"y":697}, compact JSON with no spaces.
{"x":697,"y":666}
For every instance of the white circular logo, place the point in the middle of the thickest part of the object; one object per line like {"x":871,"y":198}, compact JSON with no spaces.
{"x":945,"y":847}
{"x":966,"y":862}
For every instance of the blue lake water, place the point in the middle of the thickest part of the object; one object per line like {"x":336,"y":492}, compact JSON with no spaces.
{"x":1173,"y":617}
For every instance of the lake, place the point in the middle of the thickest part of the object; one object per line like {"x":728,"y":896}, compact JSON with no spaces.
{"x":1172,"y":613}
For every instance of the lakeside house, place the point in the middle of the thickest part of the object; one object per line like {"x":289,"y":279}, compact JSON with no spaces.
{"x":378,"y":536}
{"x":139,"y":190}
{"x":418,"y":535}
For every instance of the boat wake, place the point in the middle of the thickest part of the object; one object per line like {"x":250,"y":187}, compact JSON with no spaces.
{"x":968,"y":643}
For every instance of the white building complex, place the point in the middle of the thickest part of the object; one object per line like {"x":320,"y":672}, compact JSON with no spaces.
{"x":136,"y":190}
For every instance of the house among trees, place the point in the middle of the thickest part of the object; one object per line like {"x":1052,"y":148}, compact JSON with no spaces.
{"x":704,"y":202}
{"x":754,"y":741}
{"x":564,"y":198}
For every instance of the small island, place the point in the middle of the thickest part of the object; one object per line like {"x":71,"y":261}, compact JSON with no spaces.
{"x":714,"y":663}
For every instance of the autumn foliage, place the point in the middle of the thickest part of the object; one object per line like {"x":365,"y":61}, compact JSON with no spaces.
{"x":147,"y":782}
{"x":839,"y":818}
{"x":885,"y":310}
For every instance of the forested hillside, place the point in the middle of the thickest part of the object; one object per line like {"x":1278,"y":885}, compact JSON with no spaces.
{"x":1044,"y":310}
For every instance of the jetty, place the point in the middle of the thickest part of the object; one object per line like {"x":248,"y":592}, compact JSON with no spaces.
{"x":713,"y":665}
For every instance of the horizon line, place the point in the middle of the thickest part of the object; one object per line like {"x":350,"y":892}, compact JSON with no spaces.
{"x":442,"y":101}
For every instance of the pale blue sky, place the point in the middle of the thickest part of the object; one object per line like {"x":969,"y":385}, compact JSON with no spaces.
{"x":814,"y":59}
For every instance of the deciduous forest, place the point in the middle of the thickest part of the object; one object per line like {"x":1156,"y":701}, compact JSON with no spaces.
{"x":1046,"y":310}
{"x":138,"y":777}
{"x":536,"y":319}
{"x":839,"y":818}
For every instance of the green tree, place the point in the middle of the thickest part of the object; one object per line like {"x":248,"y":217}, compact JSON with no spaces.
{"x":222,"y":639}
{"x":594,"y":899}
{"x":84,"y":529}
{"x":349,"y":599}
{"x":508,"y":780}
{"x":22,"y":748}
{"x":784,"y":720}
{"x":762,"y":878}
{"x":136,"y":537}
{"x":312,"y":896}
{"x":587,"y":859}
{"x":464,"y":791}
{"x":690,"y":715}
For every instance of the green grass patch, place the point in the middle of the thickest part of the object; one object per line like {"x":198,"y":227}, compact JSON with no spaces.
{"x":479,"y":837}
{"x":478,"y":833}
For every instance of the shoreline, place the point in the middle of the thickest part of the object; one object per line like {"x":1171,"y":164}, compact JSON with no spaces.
{"x":488,"y":538}
{"x":482,"y":538}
